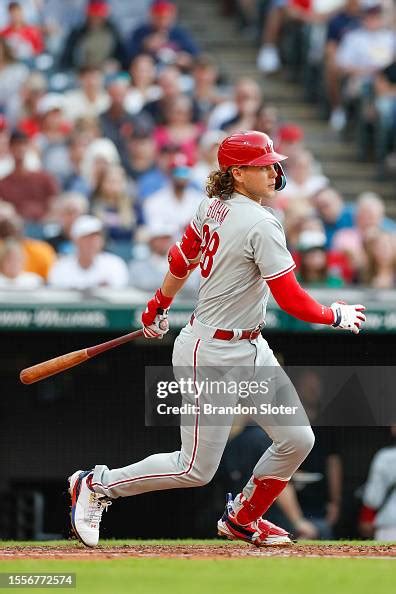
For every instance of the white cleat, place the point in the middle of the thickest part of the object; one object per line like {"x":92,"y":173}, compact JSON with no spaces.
{"x":86,"y":508}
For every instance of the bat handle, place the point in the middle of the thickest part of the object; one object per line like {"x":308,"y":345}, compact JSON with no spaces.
{"x":110,"y":344}
{"x":33,"y":374}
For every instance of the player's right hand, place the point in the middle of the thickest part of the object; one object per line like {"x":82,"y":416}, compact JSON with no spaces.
{"x":348,"y":317}
{"x":155,"y":316}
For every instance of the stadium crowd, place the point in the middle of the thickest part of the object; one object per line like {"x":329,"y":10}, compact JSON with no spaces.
{"x":344,"y":52}
{"x":110,"y":119}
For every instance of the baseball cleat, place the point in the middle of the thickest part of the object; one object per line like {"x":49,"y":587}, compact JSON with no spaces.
{"x":260,"y":533}
{"x":86,"y":508}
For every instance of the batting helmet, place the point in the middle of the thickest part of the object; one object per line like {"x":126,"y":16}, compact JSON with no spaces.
{"x":253,"y":149}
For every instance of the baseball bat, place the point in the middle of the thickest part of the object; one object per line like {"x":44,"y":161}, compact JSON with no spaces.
{"x":41,"y":371}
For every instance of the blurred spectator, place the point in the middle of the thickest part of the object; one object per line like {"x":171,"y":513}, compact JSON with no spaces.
{"x":99,"y":154}
{"x":90,"y":99}
{"x":361,"y":54}
{"x":296,"y":215}
{"x":303,"y":21}
{"x":12,"y":76}
{"x":12,"y":274}
{"x":31,"y":192}
{"x":67,"y":208}
{"x":6,"y":161}
{"x":268,"y":59}
{"x":25,"y":39}
{"x":207,"y":162}
{"x":345,"y":20}
{"x":267,"y":120}
{"x":31,"y":10}
{"x":378,"y":515}
{"x":369,"y":217}
{"x":300,"y":218}
{"x":314,"y":266}
{"x":379,"y":270}
{"x":302,"y":180}
{"x":248,"y":12}
{"x":39,"y":256}
{"x":88,"y":127}
{"x":147,"y":273}
{"x":169,"y":81}
{"x":179,"y":128}
{"x":334,"y":214}
{"x":206,"y":94}
{"x":143,"y":88}
{"x":89,"y":267}
{"x":247,"y":100}
{"x":143,"y":163}
{"x":58,"y":18}
{"x":175,"y":204}
{"x":96,"y":42}
{"x":162,"y":38}
{"x":52,"y":138}
{"x":23,"y":112}
{"x":289,"y":140}
{"x":74,"y":181}
{"x":111,"y":203}
{"x":385,"y":105}
{"x":245,"y":92}
{"x":117,"y":123}
{"x":32,"y":161}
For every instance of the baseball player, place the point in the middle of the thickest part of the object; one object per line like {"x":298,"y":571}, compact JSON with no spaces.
{"x":240,"y":248}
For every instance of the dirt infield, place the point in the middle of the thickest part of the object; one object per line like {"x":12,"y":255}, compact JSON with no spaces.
{"x":79,"y":552}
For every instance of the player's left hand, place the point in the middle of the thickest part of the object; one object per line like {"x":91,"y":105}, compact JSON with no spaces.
{"x":155,"y":316}
{"x":348,"y":317}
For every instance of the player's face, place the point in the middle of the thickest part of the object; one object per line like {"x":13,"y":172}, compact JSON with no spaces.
{"x":256,"y":182}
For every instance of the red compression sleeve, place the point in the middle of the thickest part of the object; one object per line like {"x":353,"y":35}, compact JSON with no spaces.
{"x":292,"y":298}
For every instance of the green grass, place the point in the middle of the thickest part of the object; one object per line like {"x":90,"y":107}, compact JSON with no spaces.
{"x":221,"y":576}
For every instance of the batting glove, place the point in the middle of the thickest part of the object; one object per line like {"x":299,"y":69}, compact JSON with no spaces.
{"x":348,"y":317}
{"x":155,"y":316}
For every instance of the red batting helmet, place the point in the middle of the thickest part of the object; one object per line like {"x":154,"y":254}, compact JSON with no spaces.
{"x":251,"y":149}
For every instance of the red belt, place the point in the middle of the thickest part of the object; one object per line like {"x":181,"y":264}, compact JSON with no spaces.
{"x":229,"y":334}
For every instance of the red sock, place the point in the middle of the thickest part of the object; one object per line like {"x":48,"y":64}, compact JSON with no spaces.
{"x":264,"y":493}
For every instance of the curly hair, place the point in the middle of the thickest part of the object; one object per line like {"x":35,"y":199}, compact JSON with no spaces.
{"x":220,"y":184}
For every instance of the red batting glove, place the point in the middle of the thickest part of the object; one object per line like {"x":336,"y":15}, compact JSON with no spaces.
{"x":154,"y":317}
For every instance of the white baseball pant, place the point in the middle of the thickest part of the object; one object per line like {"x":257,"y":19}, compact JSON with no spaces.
{"x":202,"y":444}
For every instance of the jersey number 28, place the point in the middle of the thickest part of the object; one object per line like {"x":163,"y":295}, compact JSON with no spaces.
{"x":210,"y":246}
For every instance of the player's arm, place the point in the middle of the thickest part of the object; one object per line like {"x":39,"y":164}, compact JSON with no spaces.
{"x":183,"y":257}
{"x":293,"y":299}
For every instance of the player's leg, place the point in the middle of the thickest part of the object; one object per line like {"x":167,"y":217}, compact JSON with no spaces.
{"x":292,"y":442}
{"x":202,"y":446}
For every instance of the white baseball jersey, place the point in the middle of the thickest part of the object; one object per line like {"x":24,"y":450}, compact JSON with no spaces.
{"x":243,"y":246}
